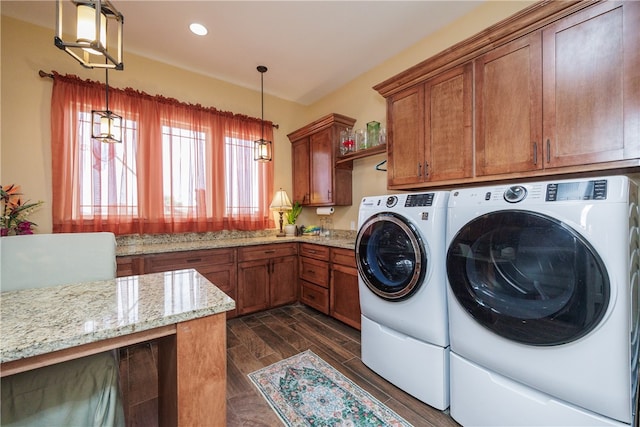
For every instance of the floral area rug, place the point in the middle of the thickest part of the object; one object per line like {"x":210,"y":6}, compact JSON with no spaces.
{"x":304,"y":390}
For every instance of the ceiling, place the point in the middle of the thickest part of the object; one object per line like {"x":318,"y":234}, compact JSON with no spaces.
{"x":311,"y":48}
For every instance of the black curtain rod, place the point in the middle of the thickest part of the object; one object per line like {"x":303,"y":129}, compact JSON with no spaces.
{"x":44,"y":74}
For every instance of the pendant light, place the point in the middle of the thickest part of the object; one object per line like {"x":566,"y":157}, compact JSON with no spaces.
{"x":93,"y":33}
{"x":105,"y":125}
{"x":262,"y":148}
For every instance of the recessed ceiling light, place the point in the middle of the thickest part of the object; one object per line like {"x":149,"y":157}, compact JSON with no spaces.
{"x":198,"y":29}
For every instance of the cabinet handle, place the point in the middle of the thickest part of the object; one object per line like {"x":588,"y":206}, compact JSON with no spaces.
{"x":419,"y":169}
{"x":270,"y":251}
{"x":426,"y":169}
{"x":311,"y":297}
{"x":194,"y":260}
{"x":329,"y":194}
{"x":535,"y":153}
{"x":548,"y":151}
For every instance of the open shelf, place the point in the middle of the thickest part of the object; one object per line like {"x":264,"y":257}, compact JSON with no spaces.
{"x":362,"y":153}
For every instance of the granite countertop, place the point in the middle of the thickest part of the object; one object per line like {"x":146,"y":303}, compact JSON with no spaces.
{"x":153,"y":244}
{"x":43,"y":320}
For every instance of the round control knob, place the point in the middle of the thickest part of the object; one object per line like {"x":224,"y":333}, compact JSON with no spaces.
{"x":391,"y":201}
{"x":515,"y":194}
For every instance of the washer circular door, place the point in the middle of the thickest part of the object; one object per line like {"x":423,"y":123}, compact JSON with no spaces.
{"x":528,"y":277}
{"x":390,"y":256}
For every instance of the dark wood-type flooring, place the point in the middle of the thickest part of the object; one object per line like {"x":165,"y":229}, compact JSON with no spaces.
{"x":258,"y":340}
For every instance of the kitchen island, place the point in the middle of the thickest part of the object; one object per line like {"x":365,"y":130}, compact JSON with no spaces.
{"x":181,"y":310}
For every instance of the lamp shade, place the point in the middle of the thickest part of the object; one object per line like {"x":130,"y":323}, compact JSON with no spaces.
{"x":280,"y":202}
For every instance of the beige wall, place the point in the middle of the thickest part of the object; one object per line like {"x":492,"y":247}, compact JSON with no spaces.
{"x":25,"y":104}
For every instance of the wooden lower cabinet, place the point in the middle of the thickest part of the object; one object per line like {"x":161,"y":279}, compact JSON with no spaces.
{"x":192,"y":374}
{"x":314,"y":276}
{"x":217,"y":265}
{"x":329,"y":282}
{"x":343,"y":290}
{"x":260,"y":277}
{"x":267,"y":277}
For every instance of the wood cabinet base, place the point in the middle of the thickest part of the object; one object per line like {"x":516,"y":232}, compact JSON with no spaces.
{"x":192,"y":374}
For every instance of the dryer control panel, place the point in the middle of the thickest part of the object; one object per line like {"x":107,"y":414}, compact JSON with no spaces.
{"x":417,"y":200}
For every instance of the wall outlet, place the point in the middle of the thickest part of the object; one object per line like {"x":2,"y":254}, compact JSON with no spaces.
{"x":353,"y":225}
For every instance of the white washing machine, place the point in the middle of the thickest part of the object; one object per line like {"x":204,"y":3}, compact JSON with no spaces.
{"x":543,"y":303}
{"x":400,"y":258}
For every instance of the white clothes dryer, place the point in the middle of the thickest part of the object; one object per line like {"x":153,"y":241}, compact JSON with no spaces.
{"x":400,"y":258}
{"x":543,"y":303}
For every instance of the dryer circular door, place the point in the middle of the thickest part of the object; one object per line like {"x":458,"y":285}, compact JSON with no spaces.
{"x":528,"y":277}
{"x":390,"y":256}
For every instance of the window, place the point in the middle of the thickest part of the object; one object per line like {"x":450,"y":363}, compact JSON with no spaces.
{"x":108,"y":172}
{"x":180,"y":167}
{"x":183,"y":170}
{"x":242,"y":172}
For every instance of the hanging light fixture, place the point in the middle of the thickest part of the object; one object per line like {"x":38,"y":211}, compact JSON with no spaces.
{"x":105,"y":125}
{"x":93,"y":34}
{"x":262,"y":148}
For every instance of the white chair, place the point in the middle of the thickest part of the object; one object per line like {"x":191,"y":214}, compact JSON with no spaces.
{"x":78,"y":392}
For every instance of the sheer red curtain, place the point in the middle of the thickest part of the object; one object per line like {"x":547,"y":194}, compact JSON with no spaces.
{"x":180,"y":168}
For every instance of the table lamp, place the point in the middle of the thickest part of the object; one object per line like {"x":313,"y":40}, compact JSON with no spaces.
{"x":280,"y":204}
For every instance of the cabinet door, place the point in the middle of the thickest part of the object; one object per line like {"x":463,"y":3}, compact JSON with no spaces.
{"x":405,"y":136}
{"x":253,"y":286}
{"x":508,"y":84}
{"x":321,"y":180}
{"x":345,"y":297}
{"x":591,"y":85}
{"x":284,"y":280}
{"x":300,"y":165}
{"x":448,"y":125}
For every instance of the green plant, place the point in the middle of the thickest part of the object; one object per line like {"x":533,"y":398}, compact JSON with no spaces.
{"x":292,"y":215}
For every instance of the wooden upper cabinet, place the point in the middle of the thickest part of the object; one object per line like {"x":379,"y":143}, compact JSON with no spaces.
{"x":317,"y":180}
{"x":508,"y":107}
{"x":430,"y":130}
{"x":300,"y":156}
{"x":449,"y":125}
{"x":405,"y":136}
{"x":321,"y":179}
{"x":553,"y":89}
{"x":592,"y":85}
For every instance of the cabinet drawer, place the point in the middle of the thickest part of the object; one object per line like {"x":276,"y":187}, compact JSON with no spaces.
{"x":314,"y":251}
{"x":314,"y":271}
{"x":343,"y":257}
{"x":251,"y":253}
{"x":314,"y":296}
{"x":189,"y":259}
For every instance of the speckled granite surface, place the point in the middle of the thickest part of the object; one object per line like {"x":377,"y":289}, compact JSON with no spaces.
{"x":38,"y":321}
{"x":160,"y":243}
